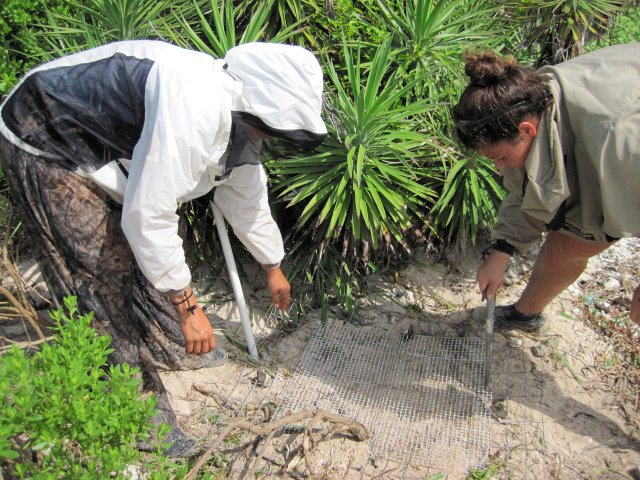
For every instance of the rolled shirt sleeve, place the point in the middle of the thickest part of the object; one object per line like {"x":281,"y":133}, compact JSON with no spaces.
{"x":516,"y":227}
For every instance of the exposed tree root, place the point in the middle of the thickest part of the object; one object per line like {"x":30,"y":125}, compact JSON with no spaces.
{"x":339,"y":423}
{"x":15,"y":303}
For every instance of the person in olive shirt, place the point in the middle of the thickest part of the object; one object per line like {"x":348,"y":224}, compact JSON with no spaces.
{"x":566,"y":140}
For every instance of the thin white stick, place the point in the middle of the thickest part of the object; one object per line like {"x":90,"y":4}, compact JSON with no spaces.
{"x":235,"y":280}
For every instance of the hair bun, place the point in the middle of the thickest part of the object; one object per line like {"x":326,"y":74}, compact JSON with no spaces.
{"x":486,"y":68}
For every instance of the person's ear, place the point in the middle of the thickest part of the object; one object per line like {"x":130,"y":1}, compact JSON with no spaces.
{"x":528,"y":128}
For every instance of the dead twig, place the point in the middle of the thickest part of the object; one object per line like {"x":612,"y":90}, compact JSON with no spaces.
{"x":356,"y":429}
{"x":22,"y":309}
{"x":6,"y":348}
{"x":253,"y":468}
{"x":19,"y":299}
{"x":385,"y":473}
{"x":346,"y":472}
{"x":209,"y":392}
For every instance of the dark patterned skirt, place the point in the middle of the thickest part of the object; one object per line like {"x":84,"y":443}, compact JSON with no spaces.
{"x":74,"y":227}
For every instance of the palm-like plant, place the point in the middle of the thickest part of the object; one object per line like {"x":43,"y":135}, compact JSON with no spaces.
{"x":123,"y":19}
{"x":430,"y":37}
{"x":429,"y":34}
{"x":289,"y":14}
{"x":91,"y":23}
{"x":363,"y":184}
{"x":216,"y":29}
{"x":558,"y":29}
{"x":469,"y":199}
{"x":424,"y":28}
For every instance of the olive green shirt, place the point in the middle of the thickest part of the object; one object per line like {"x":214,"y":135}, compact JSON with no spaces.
{"x":582,"y":174}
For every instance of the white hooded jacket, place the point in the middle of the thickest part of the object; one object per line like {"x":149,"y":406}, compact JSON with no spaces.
{"x":165,"y":113}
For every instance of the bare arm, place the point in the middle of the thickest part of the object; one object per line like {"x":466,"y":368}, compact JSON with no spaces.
{"x":195,"y":325}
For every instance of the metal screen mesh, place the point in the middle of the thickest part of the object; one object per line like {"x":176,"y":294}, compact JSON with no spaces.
{"x":421,"y":398}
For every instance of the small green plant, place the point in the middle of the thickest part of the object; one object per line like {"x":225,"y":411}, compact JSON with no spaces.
{"x":326,"y":276}
{"x":486,"y":473}
{"x":562,"y":358}
{"x":436,"y":476}
{"x":65,"y":412}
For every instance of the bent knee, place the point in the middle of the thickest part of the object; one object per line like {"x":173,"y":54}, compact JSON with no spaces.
{"x":567,"y":248}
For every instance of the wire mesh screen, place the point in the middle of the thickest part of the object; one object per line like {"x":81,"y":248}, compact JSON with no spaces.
{"x":421,"y":398}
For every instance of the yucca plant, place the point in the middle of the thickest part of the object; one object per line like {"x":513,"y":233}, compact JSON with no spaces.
{"x":363,"y":185}
{"x":294,"y":15}
{"x":91,"y":23}
{"x":429,"y":39}
{"x":557,"y":30}
{"x":423,"y":28}
{"x":123,"y":19}
{"x":469,"y":199}
{"x":221,"y":26}
{"x":431,"y":34}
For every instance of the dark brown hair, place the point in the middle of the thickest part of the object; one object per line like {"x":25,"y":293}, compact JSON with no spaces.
{"x":500,"y":94}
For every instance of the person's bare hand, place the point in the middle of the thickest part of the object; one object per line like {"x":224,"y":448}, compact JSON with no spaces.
{"x":491,"y":274}
{"x":634,"y":311}
{"x":279,"y":288}
{"x":196,"y":327}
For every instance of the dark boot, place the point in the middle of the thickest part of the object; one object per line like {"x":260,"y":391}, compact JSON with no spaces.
{"x":508,"y":318}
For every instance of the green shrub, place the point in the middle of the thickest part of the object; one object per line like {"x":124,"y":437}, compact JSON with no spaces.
{"x":19,"y":47}
{"x":65,"y":413}
{"x":469,"y":200}
{"x":625,"y":28}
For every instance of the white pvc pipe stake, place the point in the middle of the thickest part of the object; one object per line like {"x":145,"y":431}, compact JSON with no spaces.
{"x":235,"y":280}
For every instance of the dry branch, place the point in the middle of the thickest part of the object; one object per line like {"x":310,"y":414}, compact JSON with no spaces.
{"x":22,"y":309}
{"x":19,"y":300}
{"x":35,"y":343}
{"x":356,"y":429}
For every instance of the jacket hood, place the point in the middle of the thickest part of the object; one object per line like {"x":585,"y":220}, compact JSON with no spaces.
{"x":281,"y":87}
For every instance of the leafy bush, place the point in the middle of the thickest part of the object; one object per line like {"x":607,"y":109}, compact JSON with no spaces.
{"x":19,"y":51}
{"x":625,"y":28}
{"x":65,"y":414}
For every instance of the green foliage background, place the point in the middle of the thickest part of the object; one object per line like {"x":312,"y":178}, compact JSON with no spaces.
{"x":390,"y":175}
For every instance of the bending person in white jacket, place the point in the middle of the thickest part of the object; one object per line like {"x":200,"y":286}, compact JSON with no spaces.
{"x":101,"y":147}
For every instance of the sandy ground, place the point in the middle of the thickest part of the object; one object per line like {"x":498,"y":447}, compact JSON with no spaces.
{"x":554,"y":410}
{"x":553,"y":415}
